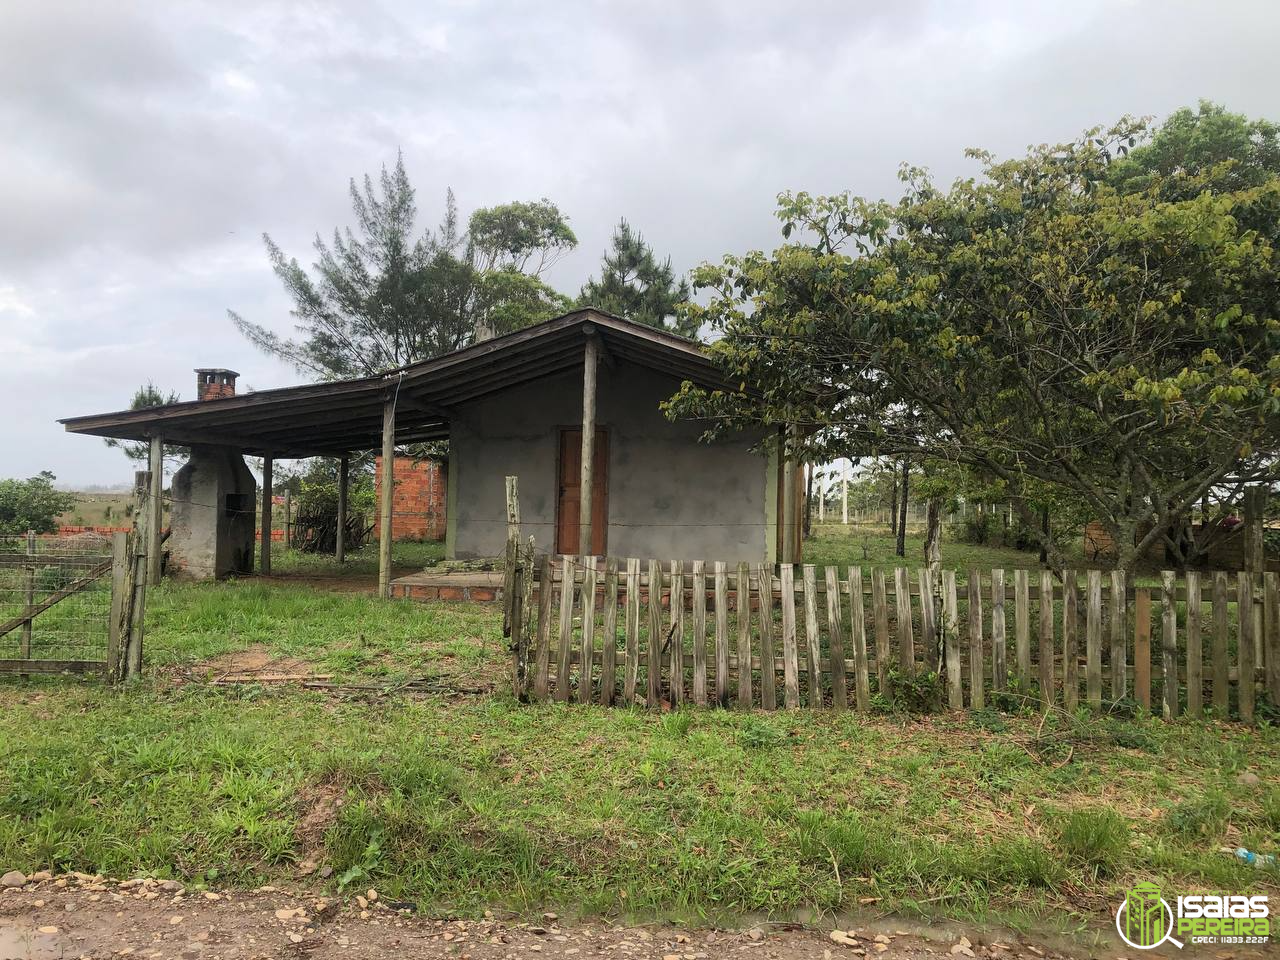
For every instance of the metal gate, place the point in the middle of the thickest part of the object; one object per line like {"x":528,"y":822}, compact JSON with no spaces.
{"x":56,"y":604}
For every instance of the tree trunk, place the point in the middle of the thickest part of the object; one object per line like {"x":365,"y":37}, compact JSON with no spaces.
{"x":808,"y":500}
{"x":901,"y":548}
{"x":893,"y":504}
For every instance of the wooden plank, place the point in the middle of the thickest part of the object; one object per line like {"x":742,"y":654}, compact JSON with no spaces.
{"x":543,"y":652}
{"x":1169,"y":644}
{"x":790,"y":658}
{"x":699,"y":633}
{"x":1045,"y":644}
{"x":858,"y":634}
{"x":1221,"y":636}
{"x":587,"y":657}
{"x":768,"y":676}
{"x":902,"y":612}
{"x":609,"y":635}
{"x":928,"y":618}
{"x":1271,"y":634}
{"x":1070,"y":642}
{"x":999,"y":639}
{"x":631,"y":673}
{"x":1093,"y":641}
{"x":951,"y":637}
{"x":743,"y":607}
{"x":1022,"y":630}
{"x":977,"y":691}
{"x":1246,"y":641}
{"x":1195,"y":647}
{"x":1142,"y":647}
{"x":722,"y":632}
{"x":835,"y":631}
{"x":813,"y":646}
{"x":880,"y":612}
{"x":675,"y":682}
{"x":566,"y":628}
{"x":1119,"y":634}
{"x":653,"y":664}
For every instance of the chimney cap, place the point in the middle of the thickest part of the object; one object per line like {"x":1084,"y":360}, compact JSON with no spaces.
{"x":231,"y":373}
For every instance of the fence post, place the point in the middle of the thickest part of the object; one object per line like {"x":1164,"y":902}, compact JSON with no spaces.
{"x":119,"y":579}
{"x":24,"y":648}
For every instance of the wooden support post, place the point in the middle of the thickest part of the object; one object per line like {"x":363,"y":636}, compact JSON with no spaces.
{"x":119,"y":580}
{"x":24,"y":644}
{"x":590,"y":358}
{"x":789,"y":552}
{"x":344,"y":477}
{"x":264,"y":548}
{"x":155,"y":504}
{"x":388,"y":491}
{"x":512,"y":555}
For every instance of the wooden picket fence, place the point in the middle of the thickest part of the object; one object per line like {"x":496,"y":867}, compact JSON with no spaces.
{"x":789,"y":635}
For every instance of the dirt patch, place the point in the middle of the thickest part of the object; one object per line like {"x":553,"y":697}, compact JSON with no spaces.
{"x":80,"y":916}
{"x":253,"y":661}
{"x":318,"y":807}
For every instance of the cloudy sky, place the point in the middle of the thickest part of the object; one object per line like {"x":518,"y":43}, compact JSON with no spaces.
{"x":147,"y":146}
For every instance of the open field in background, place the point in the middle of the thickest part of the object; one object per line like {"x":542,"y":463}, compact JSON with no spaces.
{"x":464,"y":800}
{"x":99,"y":510}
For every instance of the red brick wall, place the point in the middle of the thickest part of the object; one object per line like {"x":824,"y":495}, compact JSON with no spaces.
{"x":418,"y":501}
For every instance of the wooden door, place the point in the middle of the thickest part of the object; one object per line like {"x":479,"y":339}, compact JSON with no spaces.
{"x":569,"y":504}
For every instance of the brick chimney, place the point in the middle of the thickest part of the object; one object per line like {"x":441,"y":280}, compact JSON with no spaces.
{"x":215,"y":382}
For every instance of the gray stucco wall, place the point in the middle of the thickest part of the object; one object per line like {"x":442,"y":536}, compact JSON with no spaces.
{"x":210,"y":536}
{"x":670,"y":495}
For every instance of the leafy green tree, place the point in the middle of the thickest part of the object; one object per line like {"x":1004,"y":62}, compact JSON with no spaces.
{"x":634,"y":285}
{"x":32,"y":504}
{"x":1045,"y":326}
{"x":136,"y":450}
{"x":381,"y":295}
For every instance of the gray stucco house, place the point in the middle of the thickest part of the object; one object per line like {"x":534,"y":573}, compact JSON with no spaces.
{"x":585,"y":387}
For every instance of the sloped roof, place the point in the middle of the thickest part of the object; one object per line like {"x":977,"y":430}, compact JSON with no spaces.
{"x":327,"y":419}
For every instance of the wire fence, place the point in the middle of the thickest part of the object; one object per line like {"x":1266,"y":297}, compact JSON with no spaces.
{"x":55,"y":598}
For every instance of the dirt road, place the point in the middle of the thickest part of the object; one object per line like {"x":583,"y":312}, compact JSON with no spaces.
{"x":78,"y":916}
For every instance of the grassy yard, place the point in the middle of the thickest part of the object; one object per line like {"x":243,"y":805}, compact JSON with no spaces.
{"x":468,"y":802}
{"x":873,"y":546}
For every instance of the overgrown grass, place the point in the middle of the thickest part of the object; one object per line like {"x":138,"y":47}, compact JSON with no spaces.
{"x":476,"y":802}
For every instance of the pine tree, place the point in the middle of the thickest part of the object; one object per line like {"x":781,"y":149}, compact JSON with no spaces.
{"x":379,"y":296}
{"x":635,"y":286}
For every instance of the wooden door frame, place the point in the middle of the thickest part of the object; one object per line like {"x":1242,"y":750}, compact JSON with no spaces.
{"x":560,"y":430}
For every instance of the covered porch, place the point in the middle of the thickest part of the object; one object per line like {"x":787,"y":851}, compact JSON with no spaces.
{"x":412,"y":404}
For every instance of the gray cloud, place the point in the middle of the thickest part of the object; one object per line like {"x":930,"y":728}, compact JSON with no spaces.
{"x":148,"y":145}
